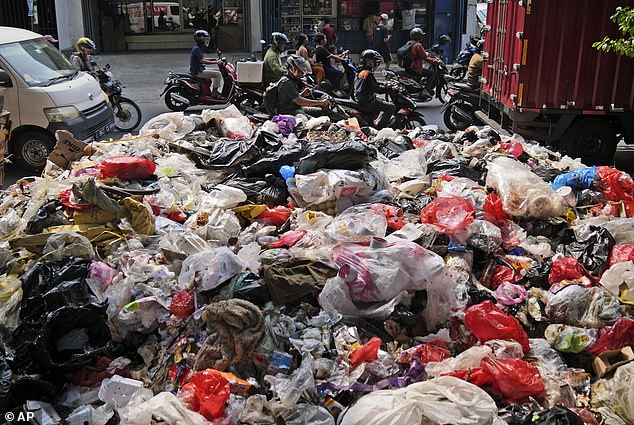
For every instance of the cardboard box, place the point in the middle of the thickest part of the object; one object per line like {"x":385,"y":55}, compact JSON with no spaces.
{"x":250,"y":72}
{"x":606,"y":362}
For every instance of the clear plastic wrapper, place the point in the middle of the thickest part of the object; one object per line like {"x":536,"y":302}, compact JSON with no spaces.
{"x":210,"y":268}
{"x":357,"y":224}
{"x":576,"y":305}
{"x":570,"y":339}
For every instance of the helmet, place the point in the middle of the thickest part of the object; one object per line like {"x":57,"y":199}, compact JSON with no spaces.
{"x":85,"y":43}
{"x":371,"y":58}
{"x":296,"y":63}
{"x":202,"y":36}
{"x":416,"y":34}
{"x":479,"y":45}
{"x":278,"y":37}
{"x":444,"y":39}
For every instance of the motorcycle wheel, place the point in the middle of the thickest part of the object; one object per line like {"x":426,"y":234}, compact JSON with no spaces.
{"x":127,"y":114}
{"x":459,"y":72}
{"x":413,"y":122}
{"x":454,"y":121}
{"x":175,"y":105}
{"x":250,"y":104}
{"x":441,"y":92}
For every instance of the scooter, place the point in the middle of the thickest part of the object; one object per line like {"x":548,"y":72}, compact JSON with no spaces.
{"x":183,"y":90}
{"x":461,"y":64}
{"x":127,"y":114}
{"x":415,"y":86}
{"x":459,"y":111}
{"x":350,"y":72}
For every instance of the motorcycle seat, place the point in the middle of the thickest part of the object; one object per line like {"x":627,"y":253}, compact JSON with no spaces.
{"x":463,"y":87}
{"x":188,"y":75}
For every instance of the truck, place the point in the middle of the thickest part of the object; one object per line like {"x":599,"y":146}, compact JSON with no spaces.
{"x":541,"y":77}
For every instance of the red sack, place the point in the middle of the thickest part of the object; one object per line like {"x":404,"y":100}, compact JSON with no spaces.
{"x":619,"y":335}
{"x":206,"y":393}
{"x":621,"y":254}
{"x":486,"y":321}
{"x":274,"y":216}
{"x":127,"y":168}
{"x":513,"y":148}
{"x":566,"y":268}
{"x":614,"y":184}
{"x":182,"y":305}
{"x":366,"y":353}
{"x":514,"y":378}
{"x":434,"y":351}
{"x":289,"y":238}
{"x":394,"y":215}
{"x":503,"y":273}
{"x":476,"y":376}
{"x":493,"y":210}
{"x":64,"y":199}
{"x":449,"y":214}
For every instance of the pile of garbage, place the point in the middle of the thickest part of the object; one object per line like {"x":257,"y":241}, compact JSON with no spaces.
{"x":298,"y":271}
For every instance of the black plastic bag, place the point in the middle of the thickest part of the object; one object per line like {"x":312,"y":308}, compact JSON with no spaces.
{"x":229,"y":153}
{"x":589,"y":197}
{"x":558,"y":415}
{"x":591,"y":247}
{"x":551,"y":229}
{"x":261,"y":190}
{"x":72,"y":337}
{"x":458,"y":167}
{"x":5,"y":380}
{"x":247,"y":286}
{"x":548,"y":174}
{"x":50,"y":214}
{"x":50,"y":285}
{"x":271,"y":163}
{"x":350,"y":155}
{"x":391,"y":148}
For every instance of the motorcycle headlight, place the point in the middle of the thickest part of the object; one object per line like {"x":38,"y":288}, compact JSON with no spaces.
{"x":63,"y":113}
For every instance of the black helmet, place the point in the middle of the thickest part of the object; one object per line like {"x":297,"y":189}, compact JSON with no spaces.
{"x":373,"y":56}
{"x":444,"y":39}
{"x":202,"y":36}
{"x":479,"y":45}
{"x":296,"y":62}
{"x":416,"y":34}
{"x":278,"y":37}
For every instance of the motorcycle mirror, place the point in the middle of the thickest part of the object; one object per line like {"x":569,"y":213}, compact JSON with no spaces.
{"x":107,"y":66}
{"x":218,"y":52}
{"x":93,"y":63}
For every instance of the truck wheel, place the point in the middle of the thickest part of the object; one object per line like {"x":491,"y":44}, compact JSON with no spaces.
{"x":591,"y":139}
{"x":32,"y":148}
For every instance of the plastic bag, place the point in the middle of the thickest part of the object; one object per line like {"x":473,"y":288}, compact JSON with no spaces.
{"x":591,"y":245}
{"x":584,"y":307}
{"x":458,"y":167}
{"x":485,"y":236}
{"x":68,"y":244}
{"x":614,"y":184}
{"x":143,"y":405}
{"x":514,"y":378}
{"x":468,"y":359}
{"x":523,"y":193}
{"x":357,"y":224}
{"x":207,"y":393}
{"x":486,"y":321}
{"x":434,"y":351}
{"x":409,"y":164}
{"x":285,"y":124}
{"x":237,"y":128}
{"x":127,"y":168}
{"x":620,"y":254}
{"x":569,"y":339}
{"x":619,"y":280}
{"x":366,"y":353}
{"x":440,"y":400}
{"x":210,"y":268}
{"x":619,"y":335}
{"x":380,"y":274}
{"x":349,"y":155}
{"x":10,"y":297}
{"x":567,"y":270}
{"x":274,"y":216}
{"x":581,"y":178}
{"x":182,"y":305}
{"x":170,"y":126}
{"x":449,"y":214}
{"x":493,"y":209}
{"x":615,"y":396}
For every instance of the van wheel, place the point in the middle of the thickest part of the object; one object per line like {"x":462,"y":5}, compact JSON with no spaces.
{"x":32,"y":148}
{"x":591,"y":139}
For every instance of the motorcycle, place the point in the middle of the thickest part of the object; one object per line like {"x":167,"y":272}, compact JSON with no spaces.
{"x":415,"y":86}
{"x":459,"y":111}
{"x":183,"y":90}
{"x":350,"y":72}
{"x":127,"y":114}
{"x":461,"y":64}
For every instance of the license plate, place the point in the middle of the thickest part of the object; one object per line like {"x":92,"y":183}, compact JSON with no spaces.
{"x":102,"y":132}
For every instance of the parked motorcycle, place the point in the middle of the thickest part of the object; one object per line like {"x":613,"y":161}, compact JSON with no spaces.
{"x":459,"y":111}
{"x":183,"y":90}
{"x":461,"y":64}
{"x":127,"y":114}
{"x":414,"y":86}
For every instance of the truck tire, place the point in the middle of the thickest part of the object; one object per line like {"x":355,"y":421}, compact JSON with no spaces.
{"x":31,"y":149}
{"x":591,"y":139}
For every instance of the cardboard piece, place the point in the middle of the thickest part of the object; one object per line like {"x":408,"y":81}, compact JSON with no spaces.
{"x":68,"y":149}
{"x":608,"y":361}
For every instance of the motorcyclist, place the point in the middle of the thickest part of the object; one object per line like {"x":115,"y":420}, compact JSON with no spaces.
{"x":419,"y":55}
{"x":81,"y":59}
{"x":366,"y":87}
{"x":323,"y":56}
{"x":475,"y":67}
{"x":272,"y":68}
{"x":437,"y":49}
{"x":197,"y":62}
{"x":290,"y":90}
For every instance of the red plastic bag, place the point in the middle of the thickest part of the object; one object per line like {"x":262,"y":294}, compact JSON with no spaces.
{"x":366,"y":353}
{"x":127,"y":167}
{"x":394,"y":215}
{"x":434,"y":351}
{"x":493,"y":210}
{"x":206,"y":393}
{"x":514,"y":378}
{"x":486,"y":321}
{"x":289,"y":238}
{"x":513,"y":148}
{"x":476,"y":376}
{"x":64,"y":199}
{"x":449,"y":214}
{"x":274,"y":216}
{"x":503,"y":273}
{"x":621,"y":254}
{"x":567,"y":269}
{"x":619,"y":335}
{"x":614,"y":184}
{"x":182,"y":305}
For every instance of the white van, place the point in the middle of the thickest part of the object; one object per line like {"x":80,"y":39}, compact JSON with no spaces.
{"x":135,"y":14}
{"x":45,"y":93}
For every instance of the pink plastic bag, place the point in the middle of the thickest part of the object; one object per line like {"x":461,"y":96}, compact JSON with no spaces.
{"x":486,"y":321}
{"x":450,"y":214}
{"x":127,"y":167}
{"x":621,"y":254}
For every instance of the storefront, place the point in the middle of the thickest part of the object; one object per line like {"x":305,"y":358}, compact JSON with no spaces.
{"x":302,"y":16}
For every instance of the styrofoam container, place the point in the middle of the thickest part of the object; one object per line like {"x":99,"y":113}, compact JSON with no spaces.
{"x":250,"y":72}
{"x":118,"y":390}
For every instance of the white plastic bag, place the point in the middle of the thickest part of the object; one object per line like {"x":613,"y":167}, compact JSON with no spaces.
{"x":468,"y":359}
{"x":237,"y":128}
{"x":357,"y":224}
{"x":210,"y":268}
{"x":619,"y":280}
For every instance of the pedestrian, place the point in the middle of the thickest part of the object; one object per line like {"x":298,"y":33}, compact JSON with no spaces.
{"x":408,"y":19}
{"x":162,"y":22}
{"x":302,"y":50}
{"x":381,"y":39}
{"x":369,"y":23}
{"x":328,"y":31}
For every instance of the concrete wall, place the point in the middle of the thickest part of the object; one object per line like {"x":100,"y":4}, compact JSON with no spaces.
{"x":254,"y":29}
{"x":70,"y":23}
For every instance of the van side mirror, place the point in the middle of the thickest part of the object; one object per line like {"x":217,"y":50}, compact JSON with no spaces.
{"x":5,"y":80}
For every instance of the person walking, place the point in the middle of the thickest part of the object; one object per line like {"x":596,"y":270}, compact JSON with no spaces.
{"x":408,"y":19}
{"x":381,"y":39}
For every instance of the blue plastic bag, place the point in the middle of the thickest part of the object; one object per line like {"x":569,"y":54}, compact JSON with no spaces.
{"x":581,"y":178}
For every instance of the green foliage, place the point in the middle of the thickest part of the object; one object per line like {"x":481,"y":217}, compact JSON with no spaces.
{"x":624,"y":17}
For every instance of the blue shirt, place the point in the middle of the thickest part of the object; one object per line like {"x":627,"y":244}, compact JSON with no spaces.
{"x":195,"y":60}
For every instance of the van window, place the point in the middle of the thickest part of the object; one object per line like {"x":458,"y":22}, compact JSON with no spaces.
{"x":37,"y":62}
{"x":174,"y":11}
